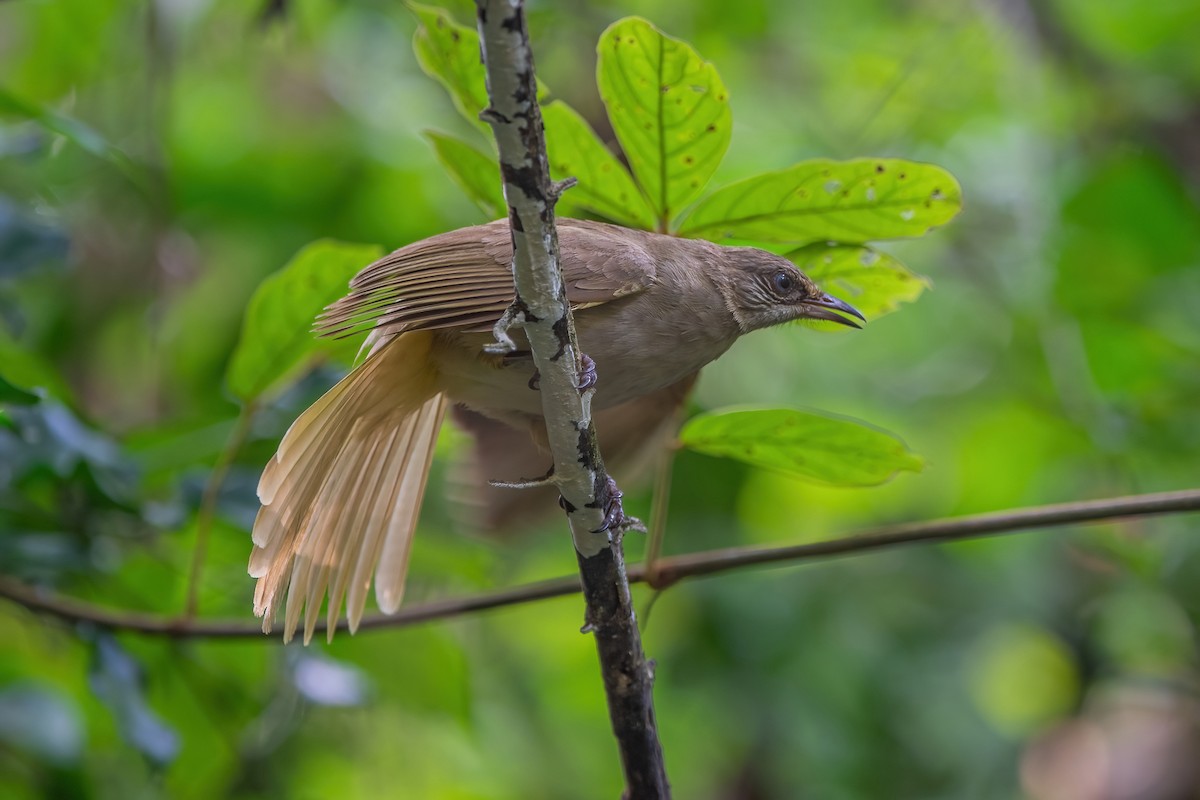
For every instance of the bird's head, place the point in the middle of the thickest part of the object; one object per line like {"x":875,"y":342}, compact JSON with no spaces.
{"x":763,"y":289}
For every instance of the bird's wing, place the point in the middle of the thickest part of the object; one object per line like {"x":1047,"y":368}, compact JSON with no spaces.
{"x":462,"y":279}
{"x":603,"y":262}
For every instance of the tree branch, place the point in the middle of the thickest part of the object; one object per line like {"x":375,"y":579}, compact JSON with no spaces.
{"x":672,"y":569}
{"x":711,"y":562}
{"x":542,"y":310}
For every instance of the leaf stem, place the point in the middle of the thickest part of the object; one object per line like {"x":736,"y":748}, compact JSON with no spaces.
{"x":208,"y":504}
{"x":661,"y":500}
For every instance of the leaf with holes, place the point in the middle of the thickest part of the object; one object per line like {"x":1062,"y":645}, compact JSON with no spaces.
{"x":276,"y":339}
{"x":835,"y":201}
{"x":449,"y":53}
{"x":873,"y":282}
{"x":473,"y":170}
{"x":605,"y":187}
{"x":828,"y":449}
{"x":669,"y":109}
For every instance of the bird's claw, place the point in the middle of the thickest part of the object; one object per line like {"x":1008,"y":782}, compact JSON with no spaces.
{"x":587,"y":375}
{"x":587,"y":372}
{"x":614,"y":511}
{"x":608,"y":499}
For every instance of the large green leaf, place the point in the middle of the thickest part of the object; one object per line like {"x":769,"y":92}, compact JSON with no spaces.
{"x":836,"y":201}
{"x":277,"y":337}
{"x":669,"y":109}
{"x":828,"y":449}
{"x":449,"y":53}
{"x":605,"y":187}
{"x":873,"y":282}
{"x":476,"y":172}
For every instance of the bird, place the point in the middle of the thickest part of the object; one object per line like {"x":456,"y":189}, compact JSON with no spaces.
{"x":341,"y":496}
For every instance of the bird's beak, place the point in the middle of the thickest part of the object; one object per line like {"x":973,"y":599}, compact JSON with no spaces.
{"x":825,"y":306}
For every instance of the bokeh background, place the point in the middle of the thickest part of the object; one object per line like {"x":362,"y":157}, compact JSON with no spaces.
{"x":159,"y":158}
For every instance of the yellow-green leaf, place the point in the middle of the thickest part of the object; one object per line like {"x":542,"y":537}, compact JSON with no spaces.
{"x":835,"y":201}
{"x":829,"y":449}
{"x":605,"y":187}
{"x":669,"y":109}
{"x":873,"y":282}
{"x":476,"y":172}
{"x":277,"y":338}
{"x":449,"y":53}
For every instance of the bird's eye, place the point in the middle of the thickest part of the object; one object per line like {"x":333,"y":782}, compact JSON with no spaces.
{"x":783,"y":282}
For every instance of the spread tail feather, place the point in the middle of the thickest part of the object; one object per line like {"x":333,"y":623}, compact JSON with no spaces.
{"x":341,"y":496}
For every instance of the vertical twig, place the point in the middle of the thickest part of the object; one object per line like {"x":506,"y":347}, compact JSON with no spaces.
{"x":661,"y":500}
{"x":208,"y":506}
{"x":542,"y":310}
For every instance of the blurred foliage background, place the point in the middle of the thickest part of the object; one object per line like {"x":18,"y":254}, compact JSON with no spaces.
{"x":158,"y":159}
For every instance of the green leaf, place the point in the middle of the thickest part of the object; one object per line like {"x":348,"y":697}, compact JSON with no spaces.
{"x":834,"y":201}
{"x":27,"y":371}
{"x":605,"y":188}
{"x":476,"y":172}
{"x":277,"y":337}
{"x":15,"y":395}
{"x":829,"y":449}
{"x":70,"y":129}
{"x":669,"y":109}
{"x":75,"y":132}
{"x":449,"y":53}
{"x":873,"y":282}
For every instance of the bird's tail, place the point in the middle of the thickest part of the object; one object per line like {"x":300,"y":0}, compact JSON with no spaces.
{"x":341,"y":496}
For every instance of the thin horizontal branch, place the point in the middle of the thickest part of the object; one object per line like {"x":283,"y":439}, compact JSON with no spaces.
{"x":78,"y":611}
{"x":669,"y":570}
{"x":709,"y":562}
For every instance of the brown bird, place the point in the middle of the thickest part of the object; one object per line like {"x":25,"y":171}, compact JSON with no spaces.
{"x":341,"y":496}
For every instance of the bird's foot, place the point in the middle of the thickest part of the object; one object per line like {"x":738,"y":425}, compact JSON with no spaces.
{"x":512,"y":316}
{"x":609,"y":499}
{"x":526,"y":483}
{"x":587,"y":375}
{"x":587,"y":372}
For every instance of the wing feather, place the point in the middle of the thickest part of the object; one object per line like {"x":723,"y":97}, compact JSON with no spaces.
{"x":462,"y":279}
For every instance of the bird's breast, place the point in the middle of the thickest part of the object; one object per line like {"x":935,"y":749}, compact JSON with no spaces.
{"x":644,"y":344}
{"x":639,"y":345}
